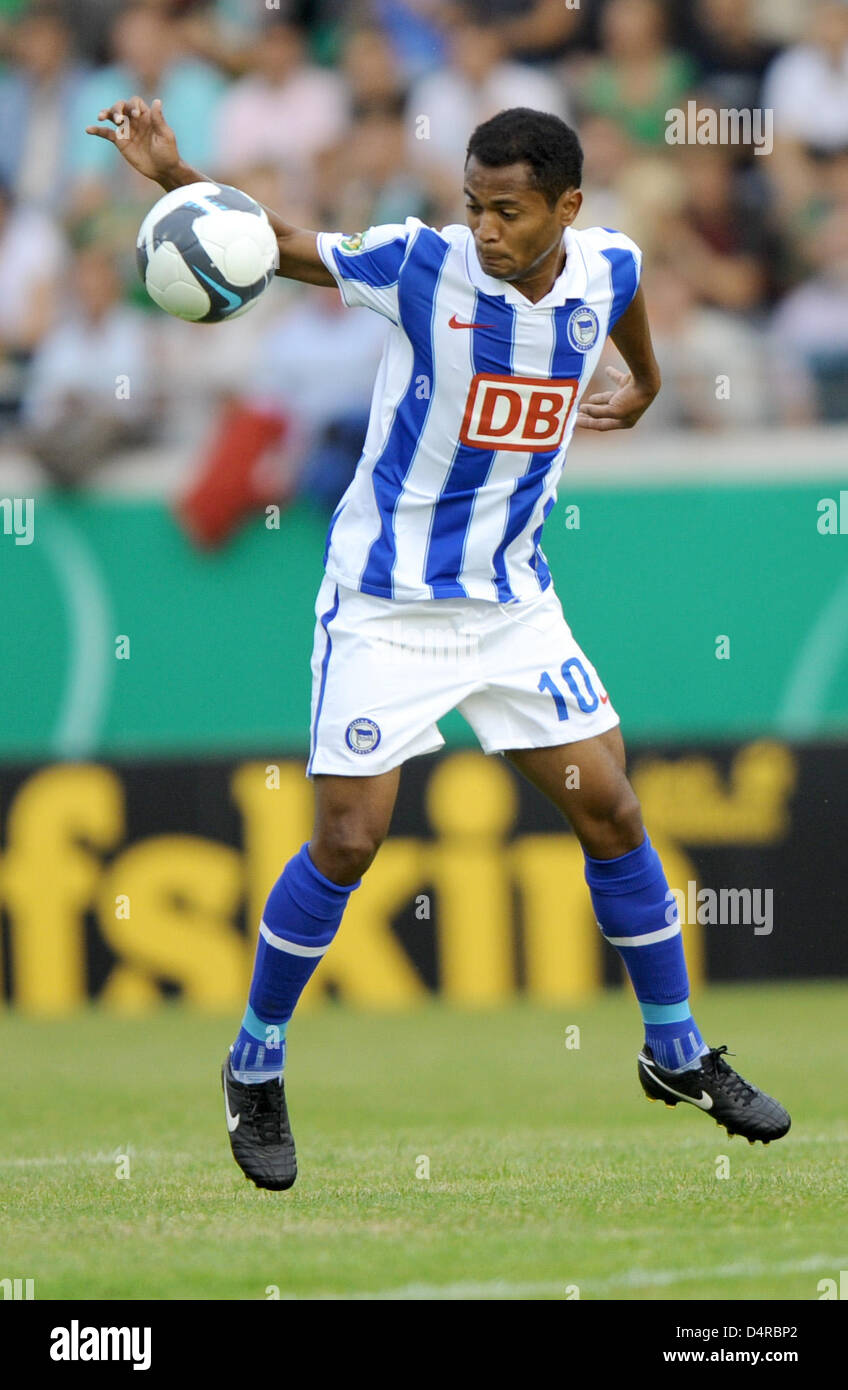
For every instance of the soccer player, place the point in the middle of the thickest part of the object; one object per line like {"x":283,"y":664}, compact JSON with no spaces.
{"x":496,"y":328}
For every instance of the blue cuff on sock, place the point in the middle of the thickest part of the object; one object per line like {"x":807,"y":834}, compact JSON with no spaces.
{"x":339,"y":888}
{"x":258,"y":1028}
{"x":665,"y":1013}
{"x":625,"y":874}
{"x":309,"y":890}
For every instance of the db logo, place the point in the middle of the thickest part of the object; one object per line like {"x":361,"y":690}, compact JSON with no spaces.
{"x":516,"y":412}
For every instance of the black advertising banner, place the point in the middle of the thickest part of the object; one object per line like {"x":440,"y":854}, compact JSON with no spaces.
{"x":123,"y":882}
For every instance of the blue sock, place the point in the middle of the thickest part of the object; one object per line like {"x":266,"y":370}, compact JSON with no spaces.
{"x":301,"y":917}
{"x":638,"y":915}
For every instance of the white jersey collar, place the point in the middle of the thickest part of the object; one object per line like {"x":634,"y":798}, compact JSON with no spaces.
{"x":570,"y":284}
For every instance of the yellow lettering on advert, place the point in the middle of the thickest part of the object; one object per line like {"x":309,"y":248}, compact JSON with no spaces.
{"x":366,"y":962}
{"x":471,"y":803}
{"x":276,"y":821}
{"x":185,"y":892}
{"x":49,"y":878}
{"x":679,"y":869}
{"x":562,"y":943}
{"x":689,"y":800}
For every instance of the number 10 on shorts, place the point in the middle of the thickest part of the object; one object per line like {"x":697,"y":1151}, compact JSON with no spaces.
{"x":576,"y":677}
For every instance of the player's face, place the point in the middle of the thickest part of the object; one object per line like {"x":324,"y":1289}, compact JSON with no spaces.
{"x":516,"y":231}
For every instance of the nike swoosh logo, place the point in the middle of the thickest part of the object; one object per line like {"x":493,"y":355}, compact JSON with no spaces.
{"x":604,"y":699}
{"x":705,"y":1103}
{"x":232,"y":1120}
{"x":234,"y":300}
{"x":453,"y":322}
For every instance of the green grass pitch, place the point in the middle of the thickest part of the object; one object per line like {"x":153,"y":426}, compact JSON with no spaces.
{"x":547,"y":1167}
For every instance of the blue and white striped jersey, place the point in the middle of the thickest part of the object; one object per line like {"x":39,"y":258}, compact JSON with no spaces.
{"x":473,"y":408}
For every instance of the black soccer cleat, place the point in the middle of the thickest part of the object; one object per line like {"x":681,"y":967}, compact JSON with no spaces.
{"x":720,"y":1091}
{"x":260,"y":1135}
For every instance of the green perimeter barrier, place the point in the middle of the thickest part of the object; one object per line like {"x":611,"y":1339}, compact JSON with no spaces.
{"x":217,"y":656}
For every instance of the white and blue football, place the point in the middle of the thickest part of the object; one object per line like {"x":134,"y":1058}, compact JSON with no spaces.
{"x":206,"y":252}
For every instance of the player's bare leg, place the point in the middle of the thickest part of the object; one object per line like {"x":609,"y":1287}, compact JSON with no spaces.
{"x":302,"y":915}
{"x":599,"y":802}
{"x":352,"y":818}
{"x":637,"y":914}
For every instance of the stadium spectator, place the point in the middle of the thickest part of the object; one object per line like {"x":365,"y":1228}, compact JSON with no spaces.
{"x":608,"y":157}
{"x":713,"y":364}
{"x":290,"y":435}
{"x":32,"y":254}
{"x":718,"y":241}
{"x":445,"y":106}
{"x":637,"y":77}
{"x":284,"y":111}
{"x":724,"y":39}
{"x":222,"y":33}
{"x":807,"y":89}
{"x":531,"y":29}
{"x":92,"y":22}
{"x":320,"y":340}
{"x":727,"y":238}
{"x":780,"y":21}
{"x":373,"y":74}
{"x":809,"y":329}
{"x":35,"y":98}
{"x":146,"y":60}
{"x":89,"y":395}
{"x":11,"y":11}
{"x":368,"y":180}
{"x":807,"y":85}
{"x":197,"y":367}
{"x":414,"y":28}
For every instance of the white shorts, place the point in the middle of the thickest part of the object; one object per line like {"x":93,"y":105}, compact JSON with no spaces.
{"x":384,"y":672}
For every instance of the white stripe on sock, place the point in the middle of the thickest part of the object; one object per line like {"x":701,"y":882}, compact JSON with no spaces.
{"x":293,"y":947}
{"x":647,"y":939}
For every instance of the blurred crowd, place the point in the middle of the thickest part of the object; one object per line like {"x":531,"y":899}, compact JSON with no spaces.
{"x":345,"y":113}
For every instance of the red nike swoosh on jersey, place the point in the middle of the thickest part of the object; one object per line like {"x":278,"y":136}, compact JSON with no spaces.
{"x":453,"y":322}
{"x":604,"y":699}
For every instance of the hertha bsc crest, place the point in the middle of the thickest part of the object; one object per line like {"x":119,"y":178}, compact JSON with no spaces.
{"x":362,"y":735}
{"x":583,"y":328}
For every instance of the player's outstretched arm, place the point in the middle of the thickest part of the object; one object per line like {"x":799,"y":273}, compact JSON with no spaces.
{"x":620,"y":408}
{"x":142,"y":135}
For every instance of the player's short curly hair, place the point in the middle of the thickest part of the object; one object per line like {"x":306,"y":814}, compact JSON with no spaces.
{"x":521,"y":135}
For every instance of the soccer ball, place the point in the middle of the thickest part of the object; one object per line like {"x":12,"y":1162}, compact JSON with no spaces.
{"x":206,"y":252}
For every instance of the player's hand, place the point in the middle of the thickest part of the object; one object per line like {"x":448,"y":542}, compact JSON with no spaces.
{"x":142,"y":135}
{"x":618,"y":409}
